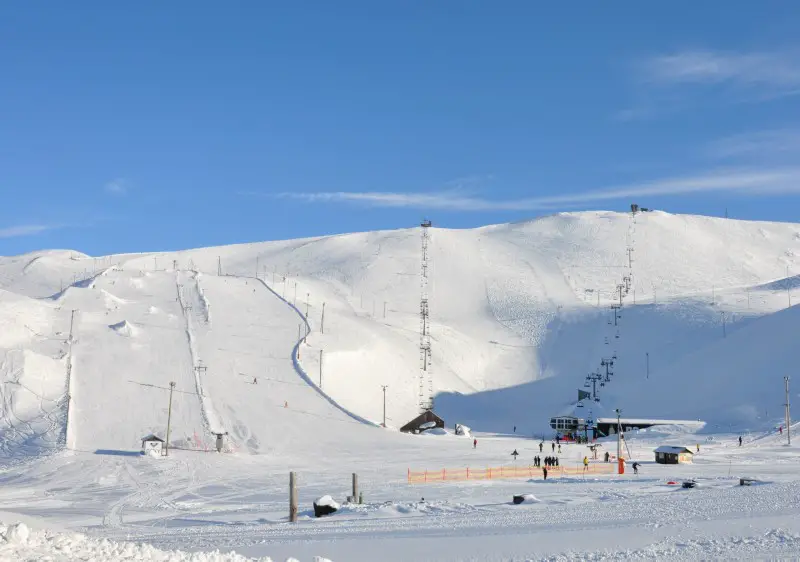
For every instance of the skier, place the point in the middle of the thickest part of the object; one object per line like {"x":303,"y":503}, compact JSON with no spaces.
{"x":559,"y":448}
{"x":740,"y":440}
{"x":781,"y":429}
{"x":514,"y":454}
{"x":544,"y":472}
{"x":585,"y":463}
{"x":474,"y":443}
{"x":636,"y":468}
{"x":556,"y":459}
{"x":553,"y":446}
{"x":255,"y":380}
{"x":540,"y":446}
{"x":606,"y":456}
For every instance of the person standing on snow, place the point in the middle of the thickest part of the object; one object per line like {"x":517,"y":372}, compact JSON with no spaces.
{"x":585,"y":463}
{"x":553,"y":446}
{"x":544,"y":472}
{"x":559,"y":447}
{"x":740,"y":440}
{"x":541,"y":446}
{"x":474,"y":443}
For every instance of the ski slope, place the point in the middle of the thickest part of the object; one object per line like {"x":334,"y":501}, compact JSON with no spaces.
{"x":520,"y":314}
{"x":519,"y":317}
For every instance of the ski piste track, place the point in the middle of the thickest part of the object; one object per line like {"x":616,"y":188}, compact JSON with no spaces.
{"x":299,"y":367}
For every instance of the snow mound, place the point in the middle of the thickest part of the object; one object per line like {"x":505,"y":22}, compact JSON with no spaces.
{"x":111,"y":299}
{"x":435,"y":431}
{"x":530,"y":498}
{"x":125,"y":328}
{"x":327,"y":501}
{"x":17,"y":542}
{"x":463,"y":430}
{"x":153,"y":310}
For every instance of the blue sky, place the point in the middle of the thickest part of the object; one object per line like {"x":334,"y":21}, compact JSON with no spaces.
{"x":167,"y":125}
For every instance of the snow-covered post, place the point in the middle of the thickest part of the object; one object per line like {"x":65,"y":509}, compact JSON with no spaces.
{"x":292,"y":497}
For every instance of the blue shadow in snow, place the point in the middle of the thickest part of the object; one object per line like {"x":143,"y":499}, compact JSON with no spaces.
{"x":116,"y":453}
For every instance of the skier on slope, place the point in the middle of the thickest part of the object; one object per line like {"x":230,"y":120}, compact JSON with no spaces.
{"x":474,"y":443}
{"x":635,"y":468}
{"x":541,"y":446}
{"x":559,"y":447}
{"x":740,"y":440}
{"x":553,"y":446}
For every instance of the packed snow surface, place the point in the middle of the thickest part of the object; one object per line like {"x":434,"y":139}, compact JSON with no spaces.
{"x":282,"y":351}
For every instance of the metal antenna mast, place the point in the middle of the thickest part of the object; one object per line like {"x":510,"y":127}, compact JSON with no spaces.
{"x":425,"y":398}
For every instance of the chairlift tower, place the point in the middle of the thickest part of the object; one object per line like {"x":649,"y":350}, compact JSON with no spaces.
{"x":592,"y":379}
{"x":608,"y":364}
{"x":425,"y":376}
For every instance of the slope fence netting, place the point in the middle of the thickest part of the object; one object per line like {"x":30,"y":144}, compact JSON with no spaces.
{"x":496,"y":473}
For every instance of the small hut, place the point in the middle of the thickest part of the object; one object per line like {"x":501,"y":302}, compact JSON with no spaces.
{"x":152,"y":445}
{"x":426,"y":420}
{"x":673,"y":455}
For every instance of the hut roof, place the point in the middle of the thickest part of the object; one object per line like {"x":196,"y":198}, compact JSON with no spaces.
{"x":673,"y":450}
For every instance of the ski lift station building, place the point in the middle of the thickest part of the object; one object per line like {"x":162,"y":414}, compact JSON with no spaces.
{"x":604,"y":427}
{"x":673,"y":455}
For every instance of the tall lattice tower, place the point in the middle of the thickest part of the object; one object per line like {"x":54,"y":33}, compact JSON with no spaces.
{"x":425,"y":377}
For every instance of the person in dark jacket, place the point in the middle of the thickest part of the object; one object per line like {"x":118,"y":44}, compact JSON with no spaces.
{"x":544,"y":472}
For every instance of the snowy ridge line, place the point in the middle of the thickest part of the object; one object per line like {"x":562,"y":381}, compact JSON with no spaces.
{"x":206,"y":407}
{"x":302,"y":372}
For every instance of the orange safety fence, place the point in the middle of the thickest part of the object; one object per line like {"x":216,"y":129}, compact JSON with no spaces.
{"x":494,"y":473}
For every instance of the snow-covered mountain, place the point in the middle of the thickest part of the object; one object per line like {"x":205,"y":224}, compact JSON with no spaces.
{"x":520,"y":314}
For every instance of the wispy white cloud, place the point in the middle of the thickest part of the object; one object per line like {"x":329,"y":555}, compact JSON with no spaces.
{"x":760,"y":144}
{"x":673,"y":82}
{"x":118,"y":186}
{"x":24,"y":230}
{"x":752,"y":182}
{"x":779,"y":73}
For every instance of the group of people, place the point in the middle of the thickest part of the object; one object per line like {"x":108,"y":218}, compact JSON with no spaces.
{"x":547,"y":461}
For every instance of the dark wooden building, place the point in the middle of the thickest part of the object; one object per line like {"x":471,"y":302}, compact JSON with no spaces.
{"x":425,"y":419}
{"x":673,"y":455}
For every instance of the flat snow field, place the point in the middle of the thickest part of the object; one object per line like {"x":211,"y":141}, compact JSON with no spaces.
{"x":203,"y":502}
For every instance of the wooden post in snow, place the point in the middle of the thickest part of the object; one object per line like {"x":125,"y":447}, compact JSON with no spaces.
{"x":292,"y":497}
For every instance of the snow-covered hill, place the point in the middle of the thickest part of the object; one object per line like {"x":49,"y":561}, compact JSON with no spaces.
{"x":520,"y":314}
